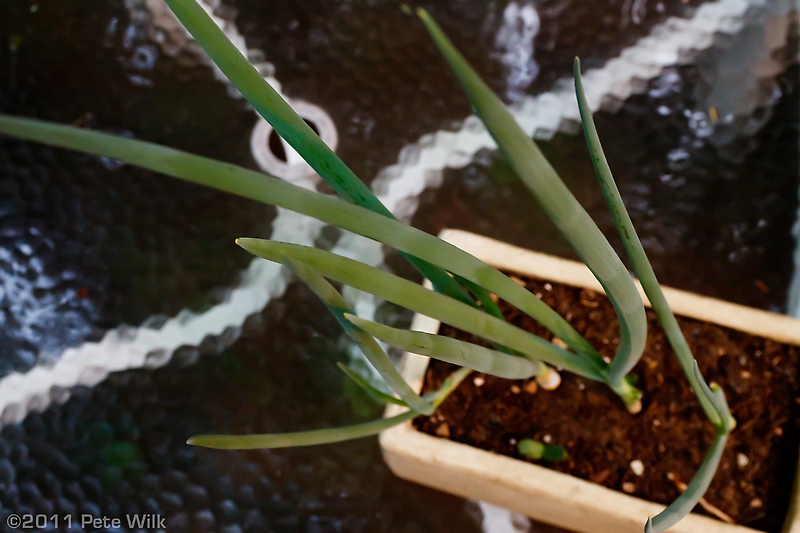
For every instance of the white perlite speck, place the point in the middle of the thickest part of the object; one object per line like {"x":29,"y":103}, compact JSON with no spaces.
{"x":637,"y":467}
{"x":742,"y":460}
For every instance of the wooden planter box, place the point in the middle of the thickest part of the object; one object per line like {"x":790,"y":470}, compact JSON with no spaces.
{"x":535,"y":491}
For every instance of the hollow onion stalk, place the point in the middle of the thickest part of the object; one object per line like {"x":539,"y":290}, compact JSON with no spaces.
{"x":291,"y":127}
{"x":327,"y":435}
{"x":689,"y":498}
{"x":633,"y":246}
{"x":557,"y":201}
{"x":412,"y":296}
{"x":368,"y":345}
{"x":300,"y":438}
{"x":270,"y":190}
{"x":450,"y":350}
{"x":370,"y":389}
{"x":711,"y":398}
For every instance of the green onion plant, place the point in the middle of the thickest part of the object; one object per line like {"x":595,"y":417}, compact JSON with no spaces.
{"x":463,"y":285}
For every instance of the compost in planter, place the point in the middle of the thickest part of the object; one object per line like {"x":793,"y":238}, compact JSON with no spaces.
{"x":669,"y":437}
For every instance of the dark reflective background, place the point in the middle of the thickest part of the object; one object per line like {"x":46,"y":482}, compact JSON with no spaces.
{"x":88,"y":244}
{"x":382,"y":80}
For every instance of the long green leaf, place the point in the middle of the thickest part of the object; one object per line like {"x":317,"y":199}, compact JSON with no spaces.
{"x":684,"y":504}
{"x":270,"y":190}
{"x":489,"y":305}
{"x":716,"y":396}
{"x":325,"y":436}
{"x":300,"y":438}
{"x":436,"y":397}
{"x":639,"y":262}
{"x":449,"y":384}
{"x":270,"y":105}
{"x":369,"y":346}
{"x":557,"y":201}
{"x":416,"y":298}
{"x":450,"y":350}
{"x":367,"y":387}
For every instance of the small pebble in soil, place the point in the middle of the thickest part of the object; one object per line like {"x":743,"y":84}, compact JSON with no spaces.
{"x":742,"y":460}
{"x":549,"y":380}
{"x":558,"y":342}
{"x":443,"y":430}
{"x":531,"y":387}
{"x":637,"y":467}
{"x":589,"y":298}
{"x":628,"y":487}
{"x":478,"y":381}
{"x":656,"y":422}
{"x":756,"y":503}
{"x":515,"y":389}
{"x":547,"y":439}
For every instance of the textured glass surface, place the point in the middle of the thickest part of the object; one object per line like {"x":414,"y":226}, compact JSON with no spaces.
{"x":85,"y":243}
{"x":384,"y":83}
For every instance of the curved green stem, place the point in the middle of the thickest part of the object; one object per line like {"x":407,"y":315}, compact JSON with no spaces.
{"x":421,"y":300}
{"x":299,"y":438}
{"x":684,"y":504}
{"x":289,"y":125}
{"x":450,"y":350}
{"x":557,"y":201}
{"x":328,"y":435}
{"x":369,"y":346}
{"x":641,"y":265}
{"x":367,"y":387}
{"x":267,"y":189}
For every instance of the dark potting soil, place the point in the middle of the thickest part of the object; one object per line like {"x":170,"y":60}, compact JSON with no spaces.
{"x":670,"y":436}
